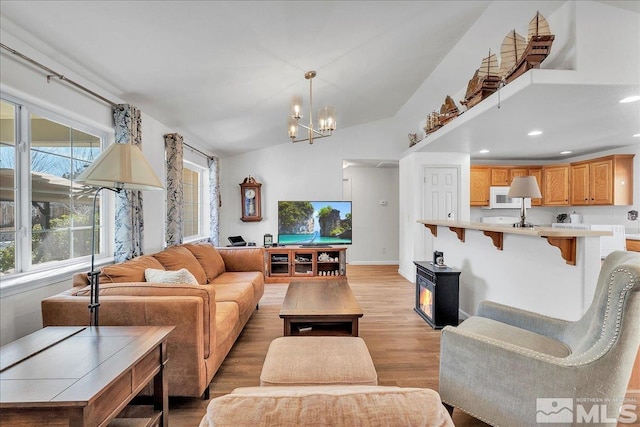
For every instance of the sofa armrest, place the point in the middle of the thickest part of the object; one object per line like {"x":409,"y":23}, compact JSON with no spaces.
{"x":248,"y":258}
{"x":186,"y":343}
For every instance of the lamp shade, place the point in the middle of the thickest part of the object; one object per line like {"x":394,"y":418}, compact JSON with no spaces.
{"x":524,"y":186}
{"x":121,"y":166}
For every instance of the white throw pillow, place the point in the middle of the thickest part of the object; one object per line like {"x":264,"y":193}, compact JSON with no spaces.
{"x":182,"y":276}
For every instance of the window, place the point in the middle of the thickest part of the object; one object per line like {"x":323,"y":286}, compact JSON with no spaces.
{"x":192,"y":183}
{"x":45,"y":215}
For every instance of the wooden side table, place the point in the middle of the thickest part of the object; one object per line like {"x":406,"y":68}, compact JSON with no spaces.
{"x":83,"y":376}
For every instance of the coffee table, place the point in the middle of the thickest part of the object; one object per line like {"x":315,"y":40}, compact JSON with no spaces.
{"x":320,"y":307}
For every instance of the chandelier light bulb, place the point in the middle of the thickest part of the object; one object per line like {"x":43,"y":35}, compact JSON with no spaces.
{"x":296,"y":107}
{"x":293,"y":127}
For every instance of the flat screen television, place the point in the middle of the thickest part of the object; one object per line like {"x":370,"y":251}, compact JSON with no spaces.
{"x":311,"y":222}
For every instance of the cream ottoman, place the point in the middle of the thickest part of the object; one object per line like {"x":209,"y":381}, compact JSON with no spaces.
{"x":296,"y":361}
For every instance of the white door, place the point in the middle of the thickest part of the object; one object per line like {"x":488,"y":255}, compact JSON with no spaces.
{"x":440,"y":193}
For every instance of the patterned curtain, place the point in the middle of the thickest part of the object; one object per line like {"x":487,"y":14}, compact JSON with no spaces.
{"x":175,"y":194}
{"x":129,"y":222}
{"x":215,"y":202}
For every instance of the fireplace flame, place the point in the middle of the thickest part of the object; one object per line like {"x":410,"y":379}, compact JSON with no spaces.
{"x":426,"y":302}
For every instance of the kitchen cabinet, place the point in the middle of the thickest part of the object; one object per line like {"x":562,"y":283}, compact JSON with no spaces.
{"x":555,"y":185}
{"x":526,"y":171}
{"x":603,"y":181}
{"x":480,"y":181}
{"x":500,"y":176}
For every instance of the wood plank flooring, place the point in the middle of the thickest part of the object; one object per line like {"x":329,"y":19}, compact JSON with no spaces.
{"x":404,"y":348}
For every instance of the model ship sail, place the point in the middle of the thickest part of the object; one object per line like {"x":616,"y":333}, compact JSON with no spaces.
{"x":448,"y":111}
{"x":513,"y":46}
{"x":539,"y":43}
{"x":484,"y":82}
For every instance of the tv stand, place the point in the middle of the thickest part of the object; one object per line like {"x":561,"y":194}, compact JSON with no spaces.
{"x":288,"y":263}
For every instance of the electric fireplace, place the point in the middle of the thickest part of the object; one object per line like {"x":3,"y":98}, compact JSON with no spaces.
{"x":437,"y":292}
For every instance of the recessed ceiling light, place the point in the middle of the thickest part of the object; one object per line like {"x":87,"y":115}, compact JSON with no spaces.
{"x":535,"y":133}
{"x":636,"y":135}
{"x":566,"y":152}
{"x":483,"y":151}
{"x":630,"y":99}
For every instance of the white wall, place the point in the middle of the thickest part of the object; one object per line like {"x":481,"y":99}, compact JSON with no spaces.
{"x":375,"y":214}
{"x":415,"y":243}
{"x":302,"y":171}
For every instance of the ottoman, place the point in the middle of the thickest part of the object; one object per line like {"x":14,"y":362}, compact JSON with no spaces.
{"x":296,"y":361}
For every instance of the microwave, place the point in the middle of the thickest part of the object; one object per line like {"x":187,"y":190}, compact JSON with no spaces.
{"x":498,"y":199}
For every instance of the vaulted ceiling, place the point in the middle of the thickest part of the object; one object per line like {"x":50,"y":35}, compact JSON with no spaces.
{"x":222,"y":72}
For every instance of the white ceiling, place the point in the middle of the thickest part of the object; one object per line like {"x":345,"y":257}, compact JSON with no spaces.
{"x":222,"y":72}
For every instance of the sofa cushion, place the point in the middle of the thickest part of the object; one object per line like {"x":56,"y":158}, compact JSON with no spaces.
{"x":209,"y":258}
{"x":240,"y":293}
{"x":129,"y":271}
{"x":182,"y":276}
{"x":227,"y":318}
{"x":328,"y":406}
{"x":177,"y":257}
{"x":256,"y":278}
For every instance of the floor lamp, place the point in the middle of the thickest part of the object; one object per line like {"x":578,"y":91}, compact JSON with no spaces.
{"x":524,"y":187}
{"x":119,"y":167}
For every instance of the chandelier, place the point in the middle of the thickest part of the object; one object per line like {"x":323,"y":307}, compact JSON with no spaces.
{"x":326,"y":117}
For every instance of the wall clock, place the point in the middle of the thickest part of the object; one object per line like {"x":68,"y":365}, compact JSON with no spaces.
{"x":251,"y":200}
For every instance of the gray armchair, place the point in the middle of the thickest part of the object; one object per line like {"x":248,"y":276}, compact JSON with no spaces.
{"x":511,"y":367}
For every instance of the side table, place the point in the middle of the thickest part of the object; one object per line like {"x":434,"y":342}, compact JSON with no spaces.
{"x":82,"y":376}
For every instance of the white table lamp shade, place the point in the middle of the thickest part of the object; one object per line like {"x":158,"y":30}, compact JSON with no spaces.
{"x":121,"y":166}
{"x":524,"y":186}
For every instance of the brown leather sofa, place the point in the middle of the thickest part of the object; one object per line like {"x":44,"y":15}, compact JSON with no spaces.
{"x":208,"y":317}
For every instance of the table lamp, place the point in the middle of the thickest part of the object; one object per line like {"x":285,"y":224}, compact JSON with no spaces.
{"x":524,"y":187}
{"x":119,"y":167}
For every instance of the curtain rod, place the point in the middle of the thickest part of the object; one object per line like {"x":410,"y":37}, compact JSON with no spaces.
{"x":195,"y":149}
{"x":58,"y":75}
{"x":77,"y":85}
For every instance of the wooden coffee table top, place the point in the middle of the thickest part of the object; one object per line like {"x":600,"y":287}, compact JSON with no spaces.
{"x":320,"y":298}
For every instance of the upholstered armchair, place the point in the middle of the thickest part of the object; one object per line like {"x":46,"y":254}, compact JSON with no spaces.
{"x":511,"y":367}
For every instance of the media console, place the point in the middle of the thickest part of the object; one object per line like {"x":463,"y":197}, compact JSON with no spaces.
{"x":285,"y":263}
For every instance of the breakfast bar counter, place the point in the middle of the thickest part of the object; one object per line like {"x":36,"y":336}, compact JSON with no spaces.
{"x":564,"y":239}
{"x":552,"y":271}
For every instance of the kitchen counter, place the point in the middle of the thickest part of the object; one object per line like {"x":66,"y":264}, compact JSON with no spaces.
{"x":563,"y":238}
{"x":520,"y":267}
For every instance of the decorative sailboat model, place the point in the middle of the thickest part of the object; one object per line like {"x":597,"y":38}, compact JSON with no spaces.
{"x":448,"y":111}
{"x":536,"y":50}
{"x":484,"y":82}
{"x":513,"y":47}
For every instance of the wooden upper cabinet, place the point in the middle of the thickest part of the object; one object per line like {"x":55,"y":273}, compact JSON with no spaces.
{"x":603,"y":181}
{"x":513,"y":172}
{"x":500,"y":177}
{"x":579,"y":184}
{"x":555,"y":185}
{"x":537,"y":172}
{"x":480,"y":181}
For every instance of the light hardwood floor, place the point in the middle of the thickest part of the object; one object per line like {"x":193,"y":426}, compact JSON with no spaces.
{"x":404,"y":348}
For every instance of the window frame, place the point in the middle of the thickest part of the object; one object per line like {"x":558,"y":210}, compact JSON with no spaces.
{"x":44,"y":274}
{"x":202,"y":211}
